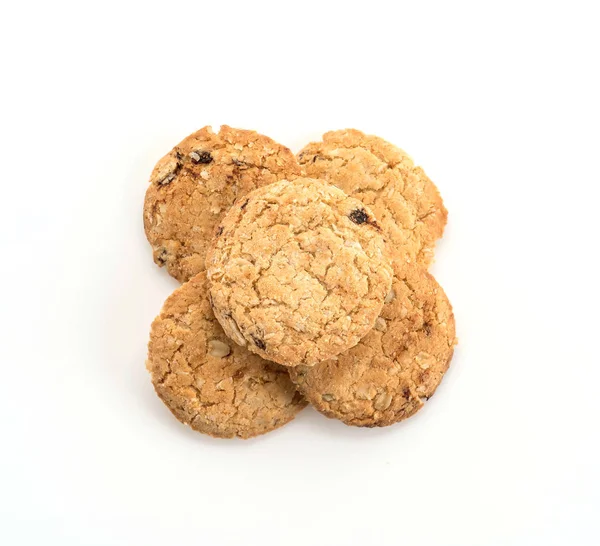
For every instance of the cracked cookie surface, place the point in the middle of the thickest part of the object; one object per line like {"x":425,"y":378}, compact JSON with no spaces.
{"x":208,"y":382}
{"x":193,"y":186}
{"x":298,"y":271}
{"x":393,"y":370}
{"x":404,"y":200}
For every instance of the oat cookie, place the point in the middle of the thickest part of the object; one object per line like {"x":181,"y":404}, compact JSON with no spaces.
{"x":193,"y":186}
{"x":405,"y":201}
{"x":299,"y":271}
{"x":393,"y":370}
{"x":208,"y":382}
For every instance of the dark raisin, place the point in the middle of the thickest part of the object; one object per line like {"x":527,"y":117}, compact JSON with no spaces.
{"x":406,"y":393}
{"x":239,"y":374}
{"x":200,"y":156}
{"x":427,"y":329}
{"x":359,"y":216}
{"x":259,"y":343}
{"x":161,"y":257}
{"x":219,"y":231}
{"x":317,"y":157}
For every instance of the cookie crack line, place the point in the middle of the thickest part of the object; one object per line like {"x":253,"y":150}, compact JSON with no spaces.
{"x":206,"y":385}
{"x":302,"y":278}
{"x":345,"y":147}
{"x":319,"y":278}
{"x":319,"y":254}
{"x":407,"y":204}
{"x":388,"y":377}
{"x":197,"y":182}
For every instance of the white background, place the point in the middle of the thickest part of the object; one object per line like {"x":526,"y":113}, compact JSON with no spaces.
{"x":498,"y":101}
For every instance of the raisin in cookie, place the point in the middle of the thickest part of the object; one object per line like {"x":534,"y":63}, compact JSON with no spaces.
{"x":208,"y":382}
{"x":193,"y":186}
{"x":393,"y":370}
{"x":405,"y":201}
{"x":299,"y":271}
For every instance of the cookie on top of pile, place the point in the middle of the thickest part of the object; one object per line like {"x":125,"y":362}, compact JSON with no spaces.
{"x":305,"y":281}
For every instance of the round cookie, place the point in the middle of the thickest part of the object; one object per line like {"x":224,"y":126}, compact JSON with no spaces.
{"x":298,"y":271}
{"x":208,"y":382}
{"x":393,"y":370}
{"x":405,"y":201}
{"x":193,"y":186}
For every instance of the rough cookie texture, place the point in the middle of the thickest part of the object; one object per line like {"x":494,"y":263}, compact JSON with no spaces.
{"x":299,"y":272}
{"x":405,"y":201}
{"x":393,"y":370}
{"x":208,"y":382}
{"x":193,"y":186}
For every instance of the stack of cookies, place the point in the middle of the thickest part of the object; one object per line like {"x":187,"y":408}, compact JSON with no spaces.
{"x":304,"y":280}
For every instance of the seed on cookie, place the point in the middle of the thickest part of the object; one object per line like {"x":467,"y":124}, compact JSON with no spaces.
{"x":218,"y":349}
{"x":390,"y":296}
{"x":382,"y":401}
{"x":167,"y":179}
{"x":380,"y":325}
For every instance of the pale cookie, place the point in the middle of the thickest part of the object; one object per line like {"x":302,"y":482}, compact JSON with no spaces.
{"x":389,"y":375}
{"x":405,"y":201}
{"x":193,"y":186}
{"x":299,"y":272}
{"x":208,"y":382}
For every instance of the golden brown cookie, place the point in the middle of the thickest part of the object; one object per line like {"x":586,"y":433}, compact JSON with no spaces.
{"x":193,"y":186}
{"x":404,"y":200}
{"x":298,"y":271}
{"x":208,"y":382}
{"x":393,"y":370}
